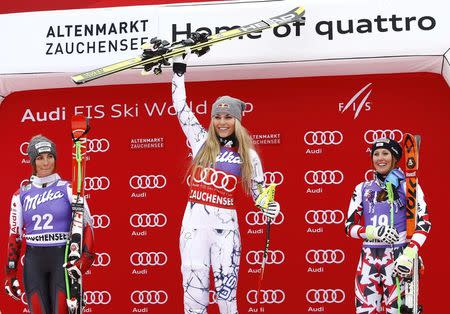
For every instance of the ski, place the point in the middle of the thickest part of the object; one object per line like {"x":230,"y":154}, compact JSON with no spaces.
{"x":265,"y":197}
{"x":198,"y":43}
{"x":411,"y":144}
{"x":74,"y":287}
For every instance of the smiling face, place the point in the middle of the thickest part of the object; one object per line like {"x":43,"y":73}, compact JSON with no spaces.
{"x":383,"y":162}
{"x":45,"y":164}
{"x":224,"y":124}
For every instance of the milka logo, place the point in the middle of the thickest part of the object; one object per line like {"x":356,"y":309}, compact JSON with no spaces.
{"x":363,"y":104}
{"x":31,"y":202}
{"x":228,"y":157}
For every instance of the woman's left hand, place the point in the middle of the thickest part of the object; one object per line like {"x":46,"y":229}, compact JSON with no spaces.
{"x":73,"y":269}
{"x":404,"y":263}
{"x":272,"y":210}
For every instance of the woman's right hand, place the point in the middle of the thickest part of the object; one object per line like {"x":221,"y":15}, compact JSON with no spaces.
{"x":12,"y":286}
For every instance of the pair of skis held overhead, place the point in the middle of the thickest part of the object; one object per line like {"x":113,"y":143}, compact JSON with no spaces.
{"x":156,"y":54}
{"x":153,"y":57}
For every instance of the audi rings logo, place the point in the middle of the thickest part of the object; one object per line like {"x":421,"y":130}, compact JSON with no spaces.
{"x":149,"y":297}
{"x":327,"y":216}
{"x":102,"y":259}
{"x":325,"y":296}
{"x":212,"y":297}
{"x":275,"y":177}
{"x":373,"y":135}
{"x":258,"y":218}
{"x":101,"y":221}
{"x":325,"y":256}
{"x":273,"y":257}
{"x":369,"y":175}
{"x":266,"y":296}
{"x":23,"y":148}
{"x":98,"y":145}
{"x":323,"y":138}
{"x":148,"y":220}
{"x":96,"y":183}
{"x":148,"y":182}
{"x":324,"y":177}
{"x":148,"y":258}
{"x":24,"y":298}
{"x":97,"y":297}
{"x":216,"y":178}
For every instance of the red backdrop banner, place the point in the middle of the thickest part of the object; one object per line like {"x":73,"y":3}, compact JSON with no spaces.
{"x":313,"y":136}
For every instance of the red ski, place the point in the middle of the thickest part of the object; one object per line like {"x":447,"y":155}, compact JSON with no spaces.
{"x":74,"y":287}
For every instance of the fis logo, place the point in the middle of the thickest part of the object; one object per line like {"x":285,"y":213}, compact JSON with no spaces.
{"x":358,"y":102}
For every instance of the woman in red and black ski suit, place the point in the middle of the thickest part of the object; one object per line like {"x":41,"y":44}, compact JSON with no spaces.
{"x":386,"y":253}
{"x":41,"y":213}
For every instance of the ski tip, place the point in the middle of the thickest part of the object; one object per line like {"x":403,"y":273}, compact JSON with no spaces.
{"x":78,"y":79}
{"x":300,"y":10}
{"x":80,"y":122}
{"x":418,"y":139}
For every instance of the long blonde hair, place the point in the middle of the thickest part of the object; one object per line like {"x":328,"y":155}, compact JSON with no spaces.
{"x":207,"y":155}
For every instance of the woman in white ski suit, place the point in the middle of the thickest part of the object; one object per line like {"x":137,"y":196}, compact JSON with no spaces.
{"x":223,"y":156}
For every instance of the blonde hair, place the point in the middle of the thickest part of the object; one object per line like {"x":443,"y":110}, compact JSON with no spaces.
{"x":207,"y":155}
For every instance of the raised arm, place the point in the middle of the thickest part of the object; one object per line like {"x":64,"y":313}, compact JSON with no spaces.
{"x":194,"y":131}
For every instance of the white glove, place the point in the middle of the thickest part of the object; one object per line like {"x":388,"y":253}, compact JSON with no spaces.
{"x":72,"y":270}
{"x":404,"y":263}
{"x":272,"y":210}
{"x":184,"y":57}
{"x":386,"y":234}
